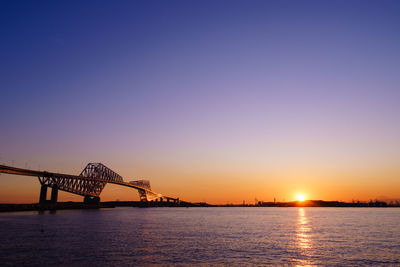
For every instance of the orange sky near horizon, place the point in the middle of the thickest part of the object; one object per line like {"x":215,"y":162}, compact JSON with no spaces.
{"x":236,"y":186}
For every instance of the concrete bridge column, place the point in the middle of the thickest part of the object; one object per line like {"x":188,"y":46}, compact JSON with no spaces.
{"x":54,"y":195}
{"x":43,"y":194}
{"x":88,"y":200}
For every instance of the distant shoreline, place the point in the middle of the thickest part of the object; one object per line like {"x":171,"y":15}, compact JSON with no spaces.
{"x":113,"y":204}
{"x":319,"y":203}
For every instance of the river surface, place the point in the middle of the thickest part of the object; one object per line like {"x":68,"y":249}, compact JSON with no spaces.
{"x":202,"y":236}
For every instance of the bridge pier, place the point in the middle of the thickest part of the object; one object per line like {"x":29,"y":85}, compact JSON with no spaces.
{"x":43,"y":194}
{"x":54,"y":195}
{"x":88,"y":200}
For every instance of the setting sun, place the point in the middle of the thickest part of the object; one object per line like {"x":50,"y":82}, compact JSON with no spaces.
{"x":301,"y":197}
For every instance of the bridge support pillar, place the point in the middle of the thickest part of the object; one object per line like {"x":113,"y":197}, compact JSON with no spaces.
{"x":43,"y":194}
{"x":54,"y":195}
{"x":88,"y":200}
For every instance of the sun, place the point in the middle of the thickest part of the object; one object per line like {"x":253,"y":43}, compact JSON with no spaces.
{"x":301,"y":197}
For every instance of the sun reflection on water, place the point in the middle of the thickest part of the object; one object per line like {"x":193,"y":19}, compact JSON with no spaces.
{"x":303,"y":238}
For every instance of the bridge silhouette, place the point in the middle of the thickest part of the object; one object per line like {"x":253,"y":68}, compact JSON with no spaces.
{"x":89,"y":183}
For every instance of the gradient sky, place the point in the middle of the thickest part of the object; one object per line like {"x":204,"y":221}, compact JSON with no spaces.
{"x":217,"y":101}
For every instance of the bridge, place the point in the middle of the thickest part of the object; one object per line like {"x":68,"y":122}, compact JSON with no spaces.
{"x":89,"y":183}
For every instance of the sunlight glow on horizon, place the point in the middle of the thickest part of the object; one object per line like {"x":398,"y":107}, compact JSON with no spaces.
{"x":301,"y":197}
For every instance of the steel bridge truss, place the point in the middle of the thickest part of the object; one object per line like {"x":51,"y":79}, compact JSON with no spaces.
{"x":145,"y":195}
{"x":90,"y":182}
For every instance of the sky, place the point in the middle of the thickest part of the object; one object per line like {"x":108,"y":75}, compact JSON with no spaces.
{"x":216,"y":101}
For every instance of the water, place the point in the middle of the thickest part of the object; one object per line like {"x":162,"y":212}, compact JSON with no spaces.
{"x":202,"y":236}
